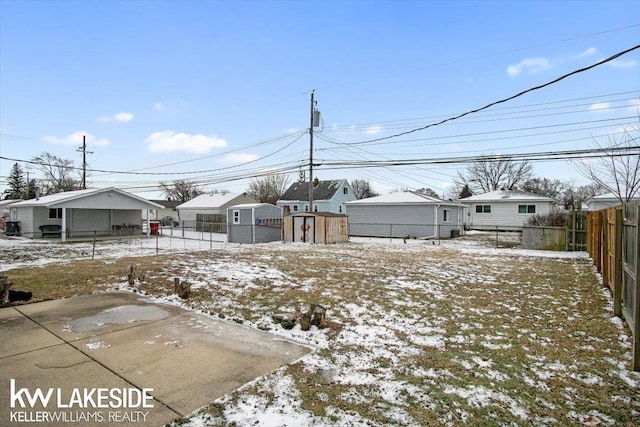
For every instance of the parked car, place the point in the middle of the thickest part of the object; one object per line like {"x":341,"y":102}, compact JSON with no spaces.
{"x":169,"y":221}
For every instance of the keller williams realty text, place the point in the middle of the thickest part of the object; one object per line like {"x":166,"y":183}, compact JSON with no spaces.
{"x":123,"y":404}
{"x":77,"y":416}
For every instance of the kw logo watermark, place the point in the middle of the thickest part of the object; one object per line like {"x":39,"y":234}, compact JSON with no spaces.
{"x":79,"y":405}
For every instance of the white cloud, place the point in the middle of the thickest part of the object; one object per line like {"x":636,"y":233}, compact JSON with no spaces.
{"x":75,"y":138}
{"x":119,"y":117}
{"x":619,"y":63}
{"x":158,"y":106}
{"x":600,"y":106}
{"x":590,"y":51}
{"x":634,"y":105}
{"x":239,"y":158}
{"x":168,"y":141}
{"x":373,"y":130}
{"x":532,"y":65}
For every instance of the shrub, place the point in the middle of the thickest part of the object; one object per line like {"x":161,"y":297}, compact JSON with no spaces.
{"x":552,"y":219}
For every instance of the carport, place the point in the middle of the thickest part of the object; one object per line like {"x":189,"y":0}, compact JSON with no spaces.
{"x":82,"y":213}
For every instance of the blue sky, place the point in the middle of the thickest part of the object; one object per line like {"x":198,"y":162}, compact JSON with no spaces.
{"x":219,"y":91}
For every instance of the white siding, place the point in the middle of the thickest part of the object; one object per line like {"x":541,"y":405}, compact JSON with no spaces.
{"x":503,"y":214}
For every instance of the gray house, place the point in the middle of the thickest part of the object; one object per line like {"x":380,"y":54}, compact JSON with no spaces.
{"x":328,"y":196}
{"x":101,"y":212}
{"x":504,"y":209}
{"x":254,"y":223}
{"x":405,"y":213}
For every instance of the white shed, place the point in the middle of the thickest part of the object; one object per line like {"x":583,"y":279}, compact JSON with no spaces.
{"x":504,"y":209}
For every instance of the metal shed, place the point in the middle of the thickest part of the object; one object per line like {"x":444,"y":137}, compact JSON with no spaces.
{"x":254,"y":223}
{"x":317,"y":227}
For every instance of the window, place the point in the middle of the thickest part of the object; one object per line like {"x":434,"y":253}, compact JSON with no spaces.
{"x":55,"y":213}
{"x":345,"y":190}
{"x":306,"y":208}
{"x":527,"y":209}
{"x":295,"y":208}
{"x":446,"y":215}
{"x":483,"y":208}
{"x":236,"y":217}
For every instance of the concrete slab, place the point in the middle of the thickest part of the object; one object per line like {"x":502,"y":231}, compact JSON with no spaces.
{"x":90,"y":315}
{"x":209,"y":357}
{"x":123,"y":340}
{"x":63,"y":367}
{"x":20,"y":334}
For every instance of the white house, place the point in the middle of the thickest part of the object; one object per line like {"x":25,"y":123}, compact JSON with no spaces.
{"x":604,"y":201}
{"x":504,"y":209}
{"x":405,"y":213}
{"x":328,"y":196}
{"x":81,"y":213}
{"x":210,"y":208}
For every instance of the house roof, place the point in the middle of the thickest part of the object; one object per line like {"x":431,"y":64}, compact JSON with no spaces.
{"x":59,"y":199}
{"x":252,"y":205}
{"x":325,"y":190}
{"x":6,"y":203}
{"x":210,"y":201}
{"x":168,"y":204}
{"x":608,"y":197}
{"x":506,"y":196}
{"x":402,"y":197}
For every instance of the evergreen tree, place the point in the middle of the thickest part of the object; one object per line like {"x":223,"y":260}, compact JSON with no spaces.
{"x":16,"y":183}
{"x":466,"y":192}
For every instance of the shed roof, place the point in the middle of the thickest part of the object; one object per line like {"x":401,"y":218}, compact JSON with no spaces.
{"x":325,"y":190}
{"x":402,"y":198}
{"x":59,"y":199}
{"x":506,"y":196}
{"x":210,"y":201}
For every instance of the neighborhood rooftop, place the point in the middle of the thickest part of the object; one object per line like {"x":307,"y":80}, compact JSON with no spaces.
{"x":323,"y":191}
{"x":511,"y":195}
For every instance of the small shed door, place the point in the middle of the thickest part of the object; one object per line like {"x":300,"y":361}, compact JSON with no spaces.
{"x":304,"y":229}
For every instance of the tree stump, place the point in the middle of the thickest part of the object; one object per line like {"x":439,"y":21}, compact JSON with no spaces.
{"x":133,"y":272}
{"x":5,"y":284}
{"x":181,"y":288}
{"x":317,"y":315}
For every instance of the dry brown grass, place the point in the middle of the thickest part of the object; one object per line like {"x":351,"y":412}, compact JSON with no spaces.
{"x":519,"y":334}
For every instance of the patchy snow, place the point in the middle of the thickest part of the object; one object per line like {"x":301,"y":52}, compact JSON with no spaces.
{"x":397,"y":350}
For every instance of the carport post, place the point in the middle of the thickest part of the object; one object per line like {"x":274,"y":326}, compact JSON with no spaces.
{"x":148,"y":223}
{"x":63,"y":235}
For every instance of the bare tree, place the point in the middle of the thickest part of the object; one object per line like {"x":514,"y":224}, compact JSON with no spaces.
{"x":59,"y":174}
{"x":617,"y":170}
{"x":427,"y":192}
{"x":269,"y":188}
{"x":493,"y":174}
{"x":362,"y":189}
{"x":553,"y":188}
{"x":181,"y":190}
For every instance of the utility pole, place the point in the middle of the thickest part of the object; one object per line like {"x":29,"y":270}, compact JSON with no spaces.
{"x":311,"y":154}
{"x":314,"y":122}
{"x":84,"y":151}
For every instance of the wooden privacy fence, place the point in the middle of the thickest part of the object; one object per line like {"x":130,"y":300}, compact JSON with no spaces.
{"x":613,"y":237}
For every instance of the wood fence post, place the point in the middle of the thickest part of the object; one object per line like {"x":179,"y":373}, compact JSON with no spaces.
{"x":617,"y":265}
{"x":636,"y":320}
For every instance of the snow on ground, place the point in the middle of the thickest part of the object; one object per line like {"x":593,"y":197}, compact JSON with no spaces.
{"x":431,"y":333}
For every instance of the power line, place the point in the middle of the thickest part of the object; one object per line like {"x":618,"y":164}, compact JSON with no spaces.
{"x":581,"y":70}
